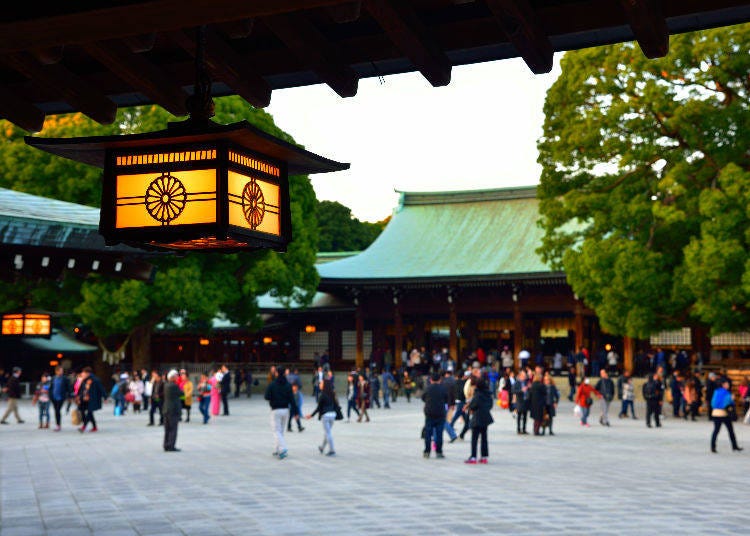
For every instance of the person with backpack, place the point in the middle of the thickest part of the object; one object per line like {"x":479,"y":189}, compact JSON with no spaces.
{"x":606,"y":387}
{"x":722,"y":411}
{"x":653,"y":393}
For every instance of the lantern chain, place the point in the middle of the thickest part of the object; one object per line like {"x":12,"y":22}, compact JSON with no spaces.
{"x":200,"y":105}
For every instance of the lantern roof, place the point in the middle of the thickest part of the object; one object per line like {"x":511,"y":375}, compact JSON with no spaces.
{"x":91,"y":149}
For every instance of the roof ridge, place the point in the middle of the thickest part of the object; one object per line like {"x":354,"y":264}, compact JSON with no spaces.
{"x":467,"y":196}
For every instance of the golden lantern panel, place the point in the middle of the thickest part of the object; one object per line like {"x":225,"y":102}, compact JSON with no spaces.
{"x":27,"y":324}
{"x":310,"y":328}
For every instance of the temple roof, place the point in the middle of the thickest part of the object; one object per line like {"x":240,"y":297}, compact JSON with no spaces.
{"x":451,"y":236}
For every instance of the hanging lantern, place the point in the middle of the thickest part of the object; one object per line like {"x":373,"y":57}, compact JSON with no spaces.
{"x":195,"y":186}
{"x":27,"y":323}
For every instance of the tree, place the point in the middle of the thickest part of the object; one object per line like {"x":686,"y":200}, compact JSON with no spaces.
{"x":638,"y":197}
{"x":195,"y":288}
{"x":341,"y":231}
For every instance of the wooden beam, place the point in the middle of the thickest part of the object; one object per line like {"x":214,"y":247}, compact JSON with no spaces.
{"x":313,"y":49}
{"x":412,"y":38}
{"x":237,"y":29}
{"x":140,"y":74}
{"x":68,"y":86}
{"x":348,"y":12}
{"x":229,"y":66}
{"x":20,"y":112}
{"x":118,"y":21}
{"x":520,"y":24}
{"x":48,"y":56}
{"x":648,"y":25}
{"x":140,"y":43}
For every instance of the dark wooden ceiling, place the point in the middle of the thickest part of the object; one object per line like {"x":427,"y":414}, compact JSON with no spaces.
{"x":93,"y":56}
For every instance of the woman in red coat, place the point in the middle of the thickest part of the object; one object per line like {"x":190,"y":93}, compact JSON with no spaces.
{"x":584,"y":400}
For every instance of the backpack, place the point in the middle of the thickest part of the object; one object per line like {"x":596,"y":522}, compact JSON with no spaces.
{"x":649,"y":390}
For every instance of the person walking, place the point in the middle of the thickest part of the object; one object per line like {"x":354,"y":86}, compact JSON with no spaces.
{"x":226,"y":388}
{"x":351,"y":397}
{"x":326,"y":410}
{"x":296,"y":412}
{"x":90,"y":396}
{"x":41,"y":399}
{"x":187,"y":393}
{"x":479,"y":408}
{"x":584,"y":400}
{"x":628,"y":397}
{"x":59,"y":393}
{"x":172,"y":411}
{"x":606,"y":387}
{"x":653,"y":393}
{"x":13,"y":390}
{"x":537,"y":403}
{"x":572,"y":379}
{"x":520,"y":392}
{"x":157,"y":397}
{"x":363,"y":398}
{"x":723,"y":407}
{"x":280,"y":398}
{"x":552,"y":397}
{"x":204,"y":397}
{"x":436,"y":400}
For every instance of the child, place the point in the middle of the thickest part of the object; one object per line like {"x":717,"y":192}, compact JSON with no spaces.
{"x":296,"y":416}
{"x":41,"y":398}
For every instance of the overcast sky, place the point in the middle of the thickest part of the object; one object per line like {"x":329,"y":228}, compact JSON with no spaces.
{"x":480,"y":131}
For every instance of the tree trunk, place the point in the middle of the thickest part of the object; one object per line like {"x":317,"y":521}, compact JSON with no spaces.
{"x":140,"y":341}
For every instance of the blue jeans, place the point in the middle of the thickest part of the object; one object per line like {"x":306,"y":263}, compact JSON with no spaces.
{"x":43,"y":412}
{"x":450,"y":430}
{"x":584,"y":414}
{"x":203,"y":407}
{"x":386,"y":396}
{"x":433,"y":429}
{"x":351,"y":405}
{"x":328,"y":419}
{"x":624,"y":410}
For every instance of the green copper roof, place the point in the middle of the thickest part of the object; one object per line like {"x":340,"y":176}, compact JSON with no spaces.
{"x":479,"y":234}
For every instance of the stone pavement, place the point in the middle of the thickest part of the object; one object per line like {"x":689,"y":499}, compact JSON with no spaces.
{"x":626,"y":479}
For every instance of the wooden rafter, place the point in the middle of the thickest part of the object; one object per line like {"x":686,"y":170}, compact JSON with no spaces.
{"x":140,"y":43}
{"x":228,"y":65}
{"x":314,"y":50}
{"x":517,"y":19}
{"x":20,"y":111}
{"x":348,"y":12}
{"x":48,"y":56}
{"x":68,"y":86}
{"x":119,"y":21}
{"x":139,"y":73}
{"x":408,"y":33}
{"x":648,"y":25}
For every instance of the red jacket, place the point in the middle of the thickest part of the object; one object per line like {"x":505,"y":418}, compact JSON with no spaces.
{"x":585,"y":391}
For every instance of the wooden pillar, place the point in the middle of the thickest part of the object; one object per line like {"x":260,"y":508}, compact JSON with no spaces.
{"x":334,"y":343}
{"x":517,"y":334}
{"x":628,"y":348}
{"x":359,"y":360}
{"x":419,"y":332}
{"x":398,"y":337}
{"x":578,"y":325}
{"x":453,"y":327}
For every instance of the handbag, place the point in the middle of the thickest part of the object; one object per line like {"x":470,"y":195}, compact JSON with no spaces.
{"x":75,"y":417}
{"x":339,"y":413}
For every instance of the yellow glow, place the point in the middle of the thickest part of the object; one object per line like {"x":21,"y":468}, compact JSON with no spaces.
{"x":13,"y":325}
{"x":199,"y":201}
{"x":53,"y":363}
{"x":203,"y":342}
{"x":271,"y":219}
{"x":267,"y":340}
{"x":310,"y":329}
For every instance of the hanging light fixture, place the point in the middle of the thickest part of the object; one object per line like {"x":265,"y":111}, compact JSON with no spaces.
{"x":27,"y":323}
{"x":196,"y":185}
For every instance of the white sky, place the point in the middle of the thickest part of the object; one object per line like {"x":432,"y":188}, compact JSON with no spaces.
{"x":480,"y":131}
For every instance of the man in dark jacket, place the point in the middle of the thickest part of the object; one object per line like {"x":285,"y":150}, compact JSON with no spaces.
{"x":436,"y":401}
{"x":520,"y":393}
{"x":59,"y":392}
{"x":172,"y":410}
{"x":13,"y":390}
{"x":96,"y":395}
{"x":226,"y":388}
{"x":459,"y":399}
{"x":157,"y":398}
{"x":606,"y":387}
{"x":537,"y":403}
{"x":653,"y":392}
{"x":280,"y":398}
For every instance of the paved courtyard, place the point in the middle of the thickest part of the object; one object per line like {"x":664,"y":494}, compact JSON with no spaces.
{"x":626,"y":479}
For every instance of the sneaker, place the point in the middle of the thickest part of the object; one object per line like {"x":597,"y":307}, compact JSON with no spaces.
{"x":471,"y":461}
{"x":426,"y":454}
{"x":320,"y":449}
{"x":275,"y":453}
{"x":94,"y":429}
{"x":283,"y":454}
{"x":21,"y":421}
{"x":483,"y":460}
{"x":439,"y":455}
{"x":331,"y":454}
{"x":587,"y":425}
{"x":57,"y":428}
{"x":453,"y":439}
{"x":3,"y":422}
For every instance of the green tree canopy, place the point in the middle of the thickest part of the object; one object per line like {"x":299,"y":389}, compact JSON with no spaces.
{"x":639,"y":191}
{"x":341,"y":231}
{"x":194,"y":288}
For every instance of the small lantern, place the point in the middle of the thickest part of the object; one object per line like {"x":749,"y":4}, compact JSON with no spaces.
{"x":267,"y":340}
{"x":203,"y":342}
{"x":195,"y":186}
{"x":310,"y":328}
{"x":27,"y":323}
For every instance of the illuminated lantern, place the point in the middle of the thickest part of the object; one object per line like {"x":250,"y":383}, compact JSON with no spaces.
{"x":203,"y":342}
{"x":310,"y":329}
{"x":197,"y":185}
{"x":27,"y":323}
